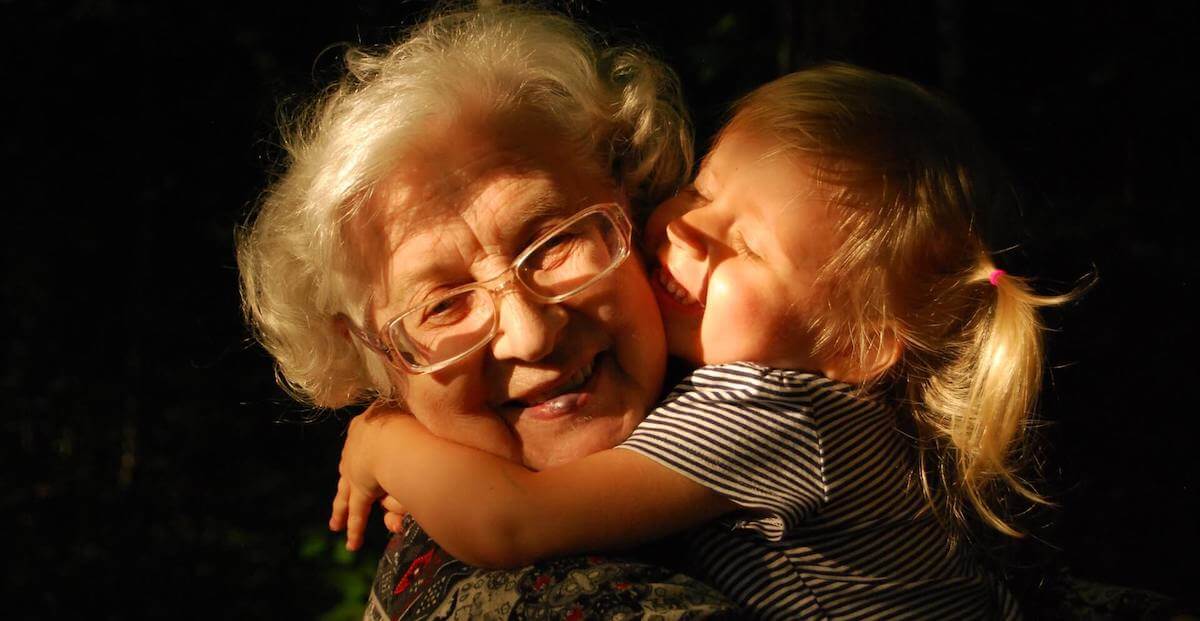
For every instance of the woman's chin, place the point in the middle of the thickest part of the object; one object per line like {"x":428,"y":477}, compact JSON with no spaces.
{"x":578,"y":438}
{"x":613,"y":407}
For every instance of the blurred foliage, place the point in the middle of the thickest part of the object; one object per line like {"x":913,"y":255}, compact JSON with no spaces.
{"x":154,"y":469}
{"x":349,"y":573}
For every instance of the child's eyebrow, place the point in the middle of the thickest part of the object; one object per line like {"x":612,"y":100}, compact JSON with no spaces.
{"x":709,"y":179}
{"x":703,"y":164}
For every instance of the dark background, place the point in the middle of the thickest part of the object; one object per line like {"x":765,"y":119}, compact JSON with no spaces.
{"x":153,"y":468}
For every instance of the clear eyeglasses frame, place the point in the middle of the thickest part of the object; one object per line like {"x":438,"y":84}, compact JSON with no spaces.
{"x":601,"y":237}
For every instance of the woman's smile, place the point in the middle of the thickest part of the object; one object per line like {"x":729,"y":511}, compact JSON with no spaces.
{"x":556,"y":398}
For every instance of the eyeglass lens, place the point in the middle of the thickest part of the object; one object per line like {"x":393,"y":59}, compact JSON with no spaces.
{"x":559,"y":266}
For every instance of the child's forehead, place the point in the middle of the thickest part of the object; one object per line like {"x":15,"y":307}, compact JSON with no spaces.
{"x":778,"y":191}
{"x":744,"y":154}
{"x":740,"y":147}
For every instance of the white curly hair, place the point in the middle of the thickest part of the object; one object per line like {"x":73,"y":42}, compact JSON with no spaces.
{"x":618,"y":107}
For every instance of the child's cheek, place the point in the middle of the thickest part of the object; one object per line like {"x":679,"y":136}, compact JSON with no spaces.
{"x":752,"y":322}
{"x":738,"y":321}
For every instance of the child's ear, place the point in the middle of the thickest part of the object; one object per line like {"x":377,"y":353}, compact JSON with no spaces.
{"x":886,"y":355}
{"x":879,"y":360}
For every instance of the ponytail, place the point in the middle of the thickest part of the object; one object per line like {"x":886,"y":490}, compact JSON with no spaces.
{"x":973,"y":406}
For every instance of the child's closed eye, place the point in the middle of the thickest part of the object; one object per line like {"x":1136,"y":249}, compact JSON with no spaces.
{"x":742,"y":248}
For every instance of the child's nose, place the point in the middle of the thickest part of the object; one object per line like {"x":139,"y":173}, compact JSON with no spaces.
{"x":687,"y":238}
{"x":666,"y":212}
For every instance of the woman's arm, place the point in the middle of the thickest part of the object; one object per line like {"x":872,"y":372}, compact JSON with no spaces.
{"x":493,"y":513}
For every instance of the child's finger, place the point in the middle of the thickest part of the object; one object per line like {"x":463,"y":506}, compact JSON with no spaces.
{"x":359,"y":509}
{"x":393,"y":521}
{"x":341,"y":502}
{"x":391,"y":505}
{"x":393,"y":516}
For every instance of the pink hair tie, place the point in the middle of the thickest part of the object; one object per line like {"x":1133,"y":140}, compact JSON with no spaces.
{"x":994,"y":277}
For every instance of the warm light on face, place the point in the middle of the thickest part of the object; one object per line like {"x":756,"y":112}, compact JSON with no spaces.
{"x":560,"y":337}
{"x":560,"y":264}
{"x":739,"y":253}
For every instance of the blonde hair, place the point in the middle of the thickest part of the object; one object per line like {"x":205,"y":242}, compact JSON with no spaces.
{"x":908,"y":179}
{"x":616,"y":107}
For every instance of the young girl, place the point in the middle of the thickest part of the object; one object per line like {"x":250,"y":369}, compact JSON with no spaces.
{"x":869,"y":373}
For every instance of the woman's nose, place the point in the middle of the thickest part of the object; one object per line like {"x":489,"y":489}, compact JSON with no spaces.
{"x":529,"y":329}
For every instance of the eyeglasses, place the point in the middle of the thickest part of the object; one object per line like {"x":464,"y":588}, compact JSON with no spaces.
{"x":561,"y":263}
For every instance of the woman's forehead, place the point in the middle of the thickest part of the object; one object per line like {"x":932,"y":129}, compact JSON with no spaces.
{"x":467,"y":192}
{"x":493,"y":210}
{"x":482,"y":177}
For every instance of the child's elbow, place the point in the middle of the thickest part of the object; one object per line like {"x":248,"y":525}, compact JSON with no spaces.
{"x":495,"y":543}
{"x":493,"y":557}
{"x":494,"y":549}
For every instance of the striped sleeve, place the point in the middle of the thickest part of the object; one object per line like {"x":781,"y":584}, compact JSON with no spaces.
{"x":746,"y":434}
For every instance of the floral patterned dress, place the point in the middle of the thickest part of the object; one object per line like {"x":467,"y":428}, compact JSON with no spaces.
{"x":417,"y":579}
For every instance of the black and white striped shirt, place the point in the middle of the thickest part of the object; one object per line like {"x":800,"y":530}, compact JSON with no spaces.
{"x":831,"y":526}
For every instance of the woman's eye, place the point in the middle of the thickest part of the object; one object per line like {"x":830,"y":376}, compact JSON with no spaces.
{"x":441,"y":307}
{"x":444,"y":311}
{"x":558,"y":241}
{"x":553,"y":252}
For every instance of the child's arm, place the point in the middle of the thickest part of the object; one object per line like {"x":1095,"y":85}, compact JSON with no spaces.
{"x":493,"y":513}
{"x":352,"y":506}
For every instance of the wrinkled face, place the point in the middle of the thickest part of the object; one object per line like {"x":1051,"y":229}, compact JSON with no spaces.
{"x":568,"y":379}
{"x":739,"y":252}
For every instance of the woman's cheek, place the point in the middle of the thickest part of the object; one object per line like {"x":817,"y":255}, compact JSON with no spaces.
{"x":461,"y":387}
{"x":639,"y":336}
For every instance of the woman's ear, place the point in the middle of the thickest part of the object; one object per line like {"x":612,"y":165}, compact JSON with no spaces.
{"x":342,"y":325}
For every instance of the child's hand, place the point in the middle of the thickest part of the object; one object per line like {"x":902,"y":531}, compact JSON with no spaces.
{"x":358,"y":487}
{"x":351,"y":508}
{"x":393,"y":516}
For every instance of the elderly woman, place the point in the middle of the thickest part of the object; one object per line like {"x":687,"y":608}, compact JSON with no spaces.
{"x":489,"y":168}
